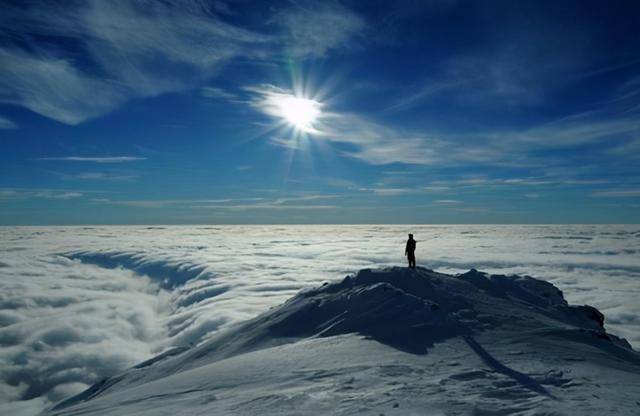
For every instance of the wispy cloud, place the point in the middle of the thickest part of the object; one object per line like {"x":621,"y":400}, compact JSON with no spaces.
{"x":475,"y":210}
{"x":6,"y":124}
{"x":54,"y":88}
{"x":447,"y":201}
{"x":218,"y":93}
{"x":379,"y":144}
{"x":390,"y":191}
{"x":23,"y":193}
{"x":307,"y":27}
{"x":98,"y":176}
{"x":122,"y":44}
{"x":292,"y":202}
{"x":125,"y":51}
{"x":436,"y":188}
{"x":429,"y":89}
{"x":371,"y":142}
{"x":572,"y":131}
{"x":617,"y":193}
{"x":629,"y":91}
{"x":265,"y":206}
{"x":305,"y":202}
{"x":290,"y":143}
{"x":160,"y":203}
{"x":105,"y":159}
{"x":546,"y":181}
{"x":526,"y":64}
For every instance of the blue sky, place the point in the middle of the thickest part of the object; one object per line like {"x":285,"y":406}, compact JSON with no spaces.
{"x":128,"y":112}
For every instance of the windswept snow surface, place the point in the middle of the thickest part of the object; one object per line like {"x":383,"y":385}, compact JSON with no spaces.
{"x":394,"y":341}
{"x":78,"y":304}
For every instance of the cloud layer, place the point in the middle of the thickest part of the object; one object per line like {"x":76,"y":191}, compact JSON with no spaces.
{"x":81,"y":303}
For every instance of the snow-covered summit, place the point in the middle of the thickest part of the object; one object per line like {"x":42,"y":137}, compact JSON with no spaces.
{"x":391,"y":340}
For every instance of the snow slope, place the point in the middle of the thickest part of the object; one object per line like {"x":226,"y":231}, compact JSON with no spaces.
{"x":391,"y":341}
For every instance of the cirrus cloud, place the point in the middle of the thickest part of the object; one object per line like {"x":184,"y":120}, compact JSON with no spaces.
{"x":128,"y":50}
{"x":97,"y":159}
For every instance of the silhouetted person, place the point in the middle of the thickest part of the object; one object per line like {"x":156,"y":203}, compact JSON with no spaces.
{"x":410,"y":251}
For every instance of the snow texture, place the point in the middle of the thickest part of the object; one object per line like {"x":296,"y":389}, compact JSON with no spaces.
{"x":394,"y":341}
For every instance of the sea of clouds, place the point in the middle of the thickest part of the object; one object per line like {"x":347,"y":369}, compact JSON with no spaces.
{"x":78,"y":304}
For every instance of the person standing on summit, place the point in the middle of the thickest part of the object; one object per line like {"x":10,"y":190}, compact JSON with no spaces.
{"x":410,"y":251}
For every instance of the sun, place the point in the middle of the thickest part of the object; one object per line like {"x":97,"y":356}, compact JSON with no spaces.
{"x":299,"y":112}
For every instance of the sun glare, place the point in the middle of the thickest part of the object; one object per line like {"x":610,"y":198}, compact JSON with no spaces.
{"x":299,"y":112}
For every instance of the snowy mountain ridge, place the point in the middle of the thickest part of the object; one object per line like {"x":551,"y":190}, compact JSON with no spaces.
{"x":392,"y":341}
